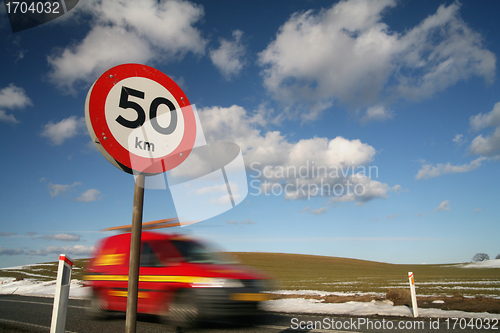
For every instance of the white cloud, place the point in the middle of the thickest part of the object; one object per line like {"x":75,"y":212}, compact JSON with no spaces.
{"x":233,"y":124}
{"x":90,"y":196}
{"x":57,"y":189}
{"x":300,"y":170}
{"x":443,"y":206}
{"x":228,"y":58}
{"x":319,"y":211}
{"x":360,"y":189}
{"x":102,"y":48}
{"x":429,"y":171}
{"x":71,"y":237}
{"x":488,"y":145}
{"x":10,"y":252}
{"x":490,"y":119}
{"x":398,"y":189}
{"x":212,"y":189}
{"x":8,"y":118}
{"x":76,"y":250}
{"x":65,"y":129}
{"x":347,"y":54}
{"x":225,"y":199}
{"x":12,"y":97}
{"x":127,"y":31}
{"x":271,"y":148}
{"x":376,"y":113}
{"x":459,"y":139}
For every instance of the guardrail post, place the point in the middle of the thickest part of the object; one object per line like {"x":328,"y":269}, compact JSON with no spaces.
{"x":61,"y":296}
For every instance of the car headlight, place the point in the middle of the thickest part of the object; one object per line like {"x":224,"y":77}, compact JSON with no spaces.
{"x":218,"y":283}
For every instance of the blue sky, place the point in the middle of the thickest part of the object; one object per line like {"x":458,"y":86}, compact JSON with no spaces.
{"x":405,"y":89}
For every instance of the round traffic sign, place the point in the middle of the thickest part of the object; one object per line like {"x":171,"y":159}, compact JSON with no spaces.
{"x":140,"y":119}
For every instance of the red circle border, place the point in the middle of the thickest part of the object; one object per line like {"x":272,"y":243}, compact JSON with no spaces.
{"x":136,"y":163}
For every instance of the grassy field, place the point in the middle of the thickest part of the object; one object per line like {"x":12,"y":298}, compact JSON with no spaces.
{"x":305,"y":272}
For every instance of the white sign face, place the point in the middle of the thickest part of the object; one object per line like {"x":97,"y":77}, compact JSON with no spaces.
{"x":140,"y":100}
{"x":140,"y":120}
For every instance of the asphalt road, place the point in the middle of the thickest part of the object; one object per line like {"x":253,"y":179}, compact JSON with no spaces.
{"x":33,"y":314}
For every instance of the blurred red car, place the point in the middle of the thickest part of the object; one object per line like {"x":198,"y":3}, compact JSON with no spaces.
{"x":181,"y":279}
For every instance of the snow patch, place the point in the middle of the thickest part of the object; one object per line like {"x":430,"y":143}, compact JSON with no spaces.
{"x":494,"y":263}
{"x":32,"y":287}
{"x":381,"y":308}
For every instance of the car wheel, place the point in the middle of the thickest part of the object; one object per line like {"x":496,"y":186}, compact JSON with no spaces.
{"x":96,"y":307}
{"x":183,"y":312}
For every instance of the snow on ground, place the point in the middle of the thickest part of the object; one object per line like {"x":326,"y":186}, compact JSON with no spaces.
{"x":381,"y":308}
{"x":495,"y":263}
{"x":32,"y":287}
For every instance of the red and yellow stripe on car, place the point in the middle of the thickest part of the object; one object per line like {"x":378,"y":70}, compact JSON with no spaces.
{"x":150,"y":278}
{"x":124,"y":293}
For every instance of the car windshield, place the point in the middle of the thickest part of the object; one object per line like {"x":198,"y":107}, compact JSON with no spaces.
{"x":199,"y":253}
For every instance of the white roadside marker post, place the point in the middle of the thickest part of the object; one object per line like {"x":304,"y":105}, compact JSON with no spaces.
{"x":413,"y":295}
{"x":61,"y":296}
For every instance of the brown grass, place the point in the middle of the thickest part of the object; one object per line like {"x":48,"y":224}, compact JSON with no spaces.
{"x":308,"y":272}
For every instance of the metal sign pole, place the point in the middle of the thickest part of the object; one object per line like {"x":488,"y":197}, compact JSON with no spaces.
{"x":135,"y":252}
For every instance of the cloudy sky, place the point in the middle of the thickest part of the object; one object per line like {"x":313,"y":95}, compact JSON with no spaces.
{"x":369,"y":129}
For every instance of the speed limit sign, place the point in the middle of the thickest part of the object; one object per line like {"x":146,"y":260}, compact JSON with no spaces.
{"x":140,"y":119}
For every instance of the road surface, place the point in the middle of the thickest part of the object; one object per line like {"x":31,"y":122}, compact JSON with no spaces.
{"x":33,"y":314}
